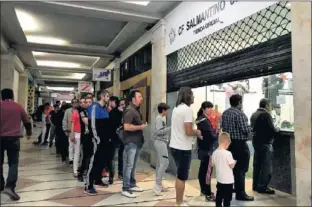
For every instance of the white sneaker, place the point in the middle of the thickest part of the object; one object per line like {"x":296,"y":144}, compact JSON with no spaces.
{"x":182,"y":204}
{"x":128,"y":194}
{"x":157,"y":190}
{"x":136,"y":189}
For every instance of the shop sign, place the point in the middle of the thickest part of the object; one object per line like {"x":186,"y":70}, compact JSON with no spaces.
{"x":191,"y":21}
{"x":85,"y":87}
{"x":101,"y":74}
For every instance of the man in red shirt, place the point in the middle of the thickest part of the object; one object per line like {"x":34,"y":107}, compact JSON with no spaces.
{"x":11,"y":116}
{"x":75,"y":136}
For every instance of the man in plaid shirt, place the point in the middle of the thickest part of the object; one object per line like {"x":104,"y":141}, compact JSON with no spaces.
{"x":235,"y":122}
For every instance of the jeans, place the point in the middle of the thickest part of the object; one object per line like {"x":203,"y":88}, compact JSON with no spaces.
{"x":263,"y":166}
{"x":241,"y":154}
{"x":162,"y":161}
{"x":130,"y":158}
{"x":12,"y":146}
{"x":202,"y":173}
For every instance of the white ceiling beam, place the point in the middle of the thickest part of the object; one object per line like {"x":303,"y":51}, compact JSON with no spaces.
{"x":123,"y":35}
{"x":4,"y":45}
{"x":69,"y":50}
{"x":67,"y":70}
{"x":58,"y":80}
{"x":83,"y":9}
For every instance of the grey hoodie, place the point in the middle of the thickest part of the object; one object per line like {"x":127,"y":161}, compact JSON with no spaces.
{"x":161,"y":129}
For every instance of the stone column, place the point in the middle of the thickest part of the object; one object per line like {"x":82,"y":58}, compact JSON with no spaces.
{"x":116,"y":78}
{"x":301,"y":67}
{"x":159,"y":77}
{"x":23,"y":90}
{"x":9,"y":76}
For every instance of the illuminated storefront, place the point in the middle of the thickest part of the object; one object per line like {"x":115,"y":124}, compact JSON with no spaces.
{"x":225,"y":48}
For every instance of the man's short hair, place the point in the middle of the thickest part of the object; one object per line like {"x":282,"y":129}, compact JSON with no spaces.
{"x":235,"y":100}
{"x":7,"y":93}
{"x":74,"y":99}
{"x":100,"y":94}
{"x":55,"y":106}
{"x":162,"y":107}
{"x":264,"y":103}
{"x":132,"y":94}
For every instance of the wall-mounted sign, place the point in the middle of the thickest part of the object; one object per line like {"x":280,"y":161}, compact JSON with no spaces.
{"x":191,"y":21}
{"x":101,"y":74}
{"x":85,"y":87}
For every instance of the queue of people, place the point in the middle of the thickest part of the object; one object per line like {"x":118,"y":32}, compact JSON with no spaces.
{"x":92,"y":136}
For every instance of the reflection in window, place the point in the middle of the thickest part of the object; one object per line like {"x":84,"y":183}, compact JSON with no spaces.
{"x":277,"y":88}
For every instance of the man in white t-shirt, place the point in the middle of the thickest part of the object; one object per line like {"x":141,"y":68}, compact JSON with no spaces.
{"x":182,"y":134}
{"x":224,"y":164}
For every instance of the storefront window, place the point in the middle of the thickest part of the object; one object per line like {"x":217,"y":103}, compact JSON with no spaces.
{"x":277,"y":88}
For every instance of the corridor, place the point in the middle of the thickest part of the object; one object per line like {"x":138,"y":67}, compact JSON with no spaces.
{"x":45,"y":181}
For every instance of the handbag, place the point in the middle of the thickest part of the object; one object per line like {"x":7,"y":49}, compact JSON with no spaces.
{"x":119,"y":133}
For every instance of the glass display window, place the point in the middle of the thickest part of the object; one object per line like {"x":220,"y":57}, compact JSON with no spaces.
{"x":277,"y":88}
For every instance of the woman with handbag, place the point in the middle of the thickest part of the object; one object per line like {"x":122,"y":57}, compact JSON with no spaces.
{"x":206,"y":145}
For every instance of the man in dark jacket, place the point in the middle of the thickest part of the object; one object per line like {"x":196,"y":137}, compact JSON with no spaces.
{"x":263,"y":137}
{"x":115,"y":119}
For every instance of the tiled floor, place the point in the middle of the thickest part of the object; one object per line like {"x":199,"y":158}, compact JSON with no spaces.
{"x":45,"y":181}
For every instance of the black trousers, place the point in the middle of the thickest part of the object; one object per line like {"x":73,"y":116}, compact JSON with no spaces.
{"x":12,"y":146}
{"x":241,"y":154}
{"x":116,"y":152}
{"x":87,"y":151}
{"x":202,"y":172}
{"x":62,"y":143}
{"x":97,"y":163}
{"x":224,"y":194}
{"x":263,"y":166}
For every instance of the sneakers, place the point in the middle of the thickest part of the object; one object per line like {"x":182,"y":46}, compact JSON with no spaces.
{"x":120,"y":177}
{"x":104,"y":174}
{"x":136,"y":189}
{"x":101,"y":184}
{"x":128,"y":194}
{"x":182,"y":204}
{"x":75,"y":175}
{"x":92,"y":192}
{"x":210,"y":198}
{"x":157,"y":190}
{"x":11,"y":193}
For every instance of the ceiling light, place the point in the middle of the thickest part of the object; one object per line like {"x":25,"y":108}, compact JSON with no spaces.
{"x":58,"y":64}
{"x":45,"y":40}
{"x":142,"y":3}
{"x":78,"y":75}
{"x":27,"y":22}
{"x":39,"y":53}
{"x":75,"y":76}
{"x":60,"y":88}
{"x":288,"y":5}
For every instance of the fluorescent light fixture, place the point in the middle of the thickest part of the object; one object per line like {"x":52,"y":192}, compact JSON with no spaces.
{"x":60,"y":88}
{"x":39,"y":53}
{"x":75,"y":76}
{"x":58,"y":64}
{"x":27,"y":21}
{"x":142,"y":3}
{"x":45,"y":40}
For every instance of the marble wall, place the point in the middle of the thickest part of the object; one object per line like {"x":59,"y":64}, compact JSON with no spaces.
{"x":301,"y":62}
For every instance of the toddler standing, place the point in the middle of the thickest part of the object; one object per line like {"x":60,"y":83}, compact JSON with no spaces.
{"x":224,"y":164}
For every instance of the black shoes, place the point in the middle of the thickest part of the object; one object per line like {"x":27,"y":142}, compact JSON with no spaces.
{"x":11,"y":193}
{"x":80,"y":177}
{"x":266,"y":191}
{"x":70,"y":162}
{"x":244,"y":197}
